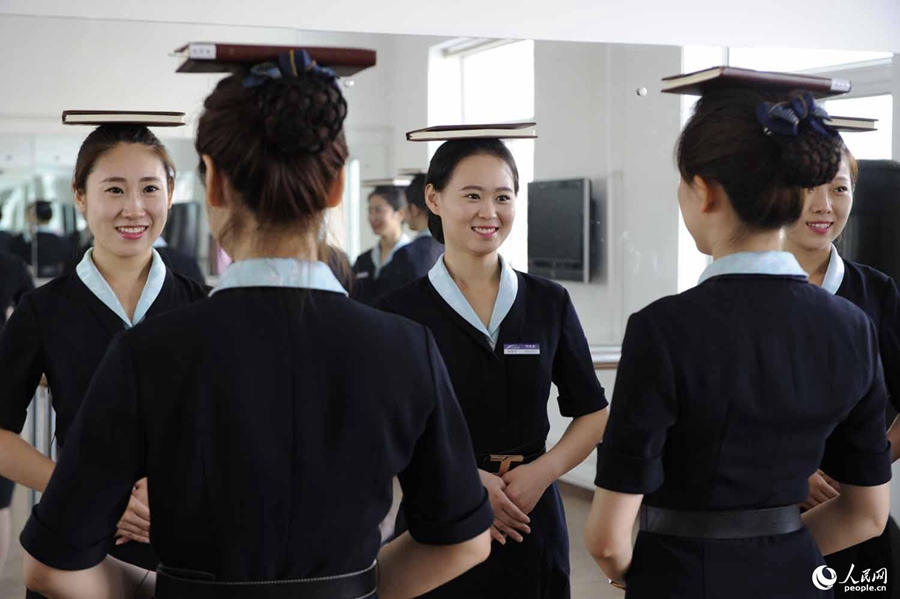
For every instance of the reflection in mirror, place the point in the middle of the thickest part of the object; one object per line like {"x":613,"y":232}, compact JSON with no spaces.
{"x":605,"y":134}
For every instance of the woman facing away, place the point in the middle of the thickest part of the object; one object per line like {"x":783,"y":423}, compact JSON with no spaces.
{"x":271,"y":460}
{"x":729,"y":396}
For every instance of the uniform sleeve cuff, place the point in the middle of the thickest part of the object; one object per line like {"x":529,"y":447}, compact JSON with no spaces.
{"x":572,"y":409}
{"x":48,"y":548}
{"x":860,"y":469}
{"x":627,"y":474}
{"x":442,"y":533}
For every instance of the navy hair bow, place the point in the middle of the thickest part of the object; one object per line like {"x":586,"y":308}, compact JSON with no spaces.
{"x":290,"y":65}
{"x":784,"y":118}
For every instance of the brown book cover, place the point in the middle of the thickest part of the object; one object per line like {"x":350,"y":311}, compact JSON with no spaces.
{"x":208,"y":57}
{"x":708,"y":80}
{"x":133,"y":117}
{"x":485,"y":130}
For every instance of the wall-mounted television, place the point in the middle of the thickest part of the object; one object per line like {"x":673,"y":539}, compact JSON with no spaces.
{"x":560,"y":242}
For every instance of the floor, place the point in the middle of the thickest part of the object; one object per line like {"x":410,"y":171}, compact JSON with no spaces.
{"x":587,"y":580}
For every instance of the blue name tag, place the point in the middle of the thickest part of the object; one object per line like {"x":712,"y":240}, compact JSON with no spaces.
{"x":521,"y":349}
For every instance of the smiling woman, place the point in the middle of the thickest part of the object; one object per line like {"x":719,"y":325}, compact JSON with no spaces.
{"x":123,"y":185}
{"x":505,"y":336}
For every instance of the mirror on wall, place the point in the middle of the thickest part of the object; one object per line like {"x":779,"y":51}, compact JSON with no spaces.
{"x":601,"y":170}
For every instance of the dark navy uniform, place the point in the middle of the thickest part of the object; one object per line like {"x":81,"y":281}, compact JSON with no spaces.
{"x":53,"y":252}
{"x":269,"y":434}
{"x":729,"y":396}
{"x":181,"y":263}
{"x":876,"y":294}
{"x":371,"y":273}
{"x":411,"y":262}
{"x":15,"y":281}
{"x":502,"y":379}
{"x":63,"y":329}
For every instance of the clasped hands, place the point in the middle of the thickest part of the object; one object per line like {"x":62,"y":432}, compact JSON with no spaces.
{"x":513,"y":497}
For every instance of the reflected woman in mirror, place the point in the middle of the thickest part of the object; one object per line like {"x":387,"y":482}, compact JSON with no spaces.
{"x":387,"y":211}
{"x":811,"y":240}
{"x":729,"y":396}
{"x":506,"y":337}
{"x":415,"y":259}
{"x":269,"y":433}
{"x":123,"y":186}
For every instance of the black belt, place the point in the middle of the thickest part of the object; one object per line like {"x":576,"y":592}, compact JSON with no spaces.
{"x":175,"y":583}
{"x":501,"y":463}
{"x":744,"y":524}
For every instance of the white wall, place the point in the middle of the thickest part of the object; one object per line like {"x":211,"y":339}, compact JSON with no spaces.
{"x":592,"y":123}
{"x":865,"y":25}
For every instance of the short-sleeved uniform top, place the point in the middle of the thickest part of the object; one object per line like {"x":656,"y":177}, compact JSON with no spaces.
{"x":876,"y":294}
{"x":411,"y":262}
{"x":15,"y":281}
{"x":368,"y":270}
{"x":63,"y":329}
{"x":728,"y":397}
{"x":269,"y":434}
{"x":502,"y":375}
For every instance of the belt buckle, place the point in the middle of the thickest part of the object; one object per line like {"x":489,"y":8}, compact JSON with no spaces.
{"x":506,"y":461}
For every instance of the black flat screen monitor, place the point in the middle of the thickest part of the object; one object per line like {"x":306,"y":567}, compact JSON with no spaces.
{"x":559,"y":240}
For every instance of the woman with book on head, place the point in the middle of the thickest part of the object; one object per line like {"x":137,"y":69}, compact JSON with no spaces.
{"x":826,"y":209}
{"x":730,"y":395}
{"x":387,"y":211}
{"x":271,"y":457}
{"x":506,"y":337}
{"x":123,"y":185}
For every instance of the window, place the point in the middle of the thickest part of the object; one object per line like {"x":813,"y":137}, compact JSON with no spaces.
{"x":870,"y":144}
{"x":794,"y":59}
{"x":488,"y":81}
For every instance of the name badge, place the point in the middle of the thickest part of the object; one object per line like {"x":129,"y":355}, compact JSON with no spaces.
{"x":362,"y":275}
{"x":521,"y":349}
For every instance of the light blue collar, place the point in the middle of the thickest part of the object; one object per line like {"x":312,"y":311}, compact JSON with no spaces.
{"x":94,"y":281}
{"x":426,"y":232}
{"x":160,"y":242}
{"x":448,"y":289}
{"x":279,"y":272}
{"x":754,"y":263}
{"x":834,"y":276}
{"x":376,"y":253}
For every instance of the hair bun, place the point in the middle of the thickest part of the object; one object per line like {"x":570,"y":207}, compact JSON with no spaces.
{"x":810,"y":159}
{"x":303,"y":114}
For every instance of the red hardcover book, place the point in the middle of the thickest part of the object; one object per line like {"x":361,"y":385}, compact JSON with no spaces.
{"x":209,"y":57}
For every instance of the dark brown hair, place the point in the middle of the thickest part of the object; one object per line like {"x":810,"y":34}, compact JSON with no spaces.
{"x":280,"y":144}
{"x":104,"y":138}
{"x":763,"y":174}
{"x":450,"y":154}
{"x":415,"y":193}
